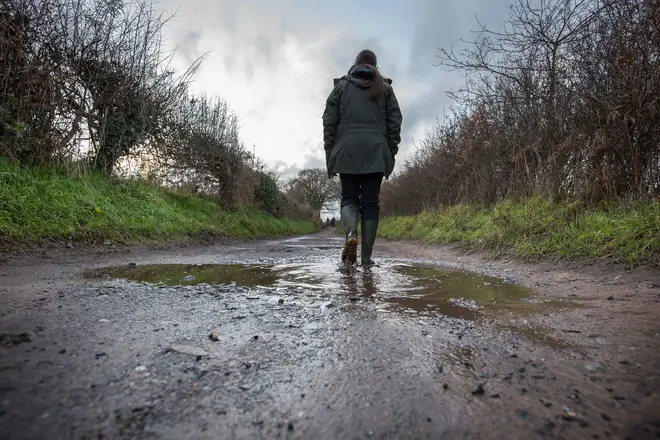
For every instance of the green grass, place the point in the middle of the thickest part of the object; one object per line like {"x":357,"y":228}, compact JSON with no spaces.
{"x":39,"y":205}
{"x":626,"y":232}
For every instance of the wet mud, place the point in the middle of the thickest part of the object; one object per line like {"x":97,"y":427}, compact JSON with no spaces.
{"x":272,"y":340}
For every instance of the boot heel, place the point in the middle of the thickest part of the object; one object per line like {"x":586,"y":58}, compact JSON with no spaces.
{"x":350,"y":250}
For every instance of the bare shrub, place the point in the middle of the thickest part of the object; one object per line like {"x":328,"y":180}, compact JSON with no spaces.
{"x":562,"y":101}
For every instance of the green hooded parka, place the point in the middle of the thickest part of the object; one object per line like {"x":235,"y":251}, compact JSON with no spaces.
{"x":361,"y":135}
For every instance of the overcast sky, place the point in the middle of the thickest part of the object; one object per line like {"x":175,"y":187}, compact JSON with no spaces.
{"x":274,"y":61}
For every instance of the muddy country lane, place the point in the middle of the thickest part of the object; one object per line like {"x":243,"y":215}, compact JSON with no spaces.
{"x":269,"y":340}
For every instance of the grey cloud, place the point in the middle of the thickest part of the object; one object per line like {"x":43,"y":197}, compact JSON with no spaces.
{"x":264,"y":47}
{"x":257,"y":28}
{"x":188,"y":46}
{"x":445,"y":24}
{"x":441,"y":25}
{"x":314,"y":160}
{"x":288,"y":170}
{"x":426,"y":109}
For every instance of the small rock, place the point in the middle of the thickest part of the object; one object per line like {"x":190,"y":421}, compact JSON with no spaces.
{"x":199,"y":372}
{"x":140,"y":368}
{"x":107,"y":242}
{"x":445,"y":386}
{"x":69,"y":245}
{"x":246,"y":386}
{"x":132,"y":264}
{"x":522,"y":413}
{"x":569,"y":415}
{"x":280,"y":301}
{"x":255,"y":337}
{"x":610,"y":298}
{"x":605,"y":417}
{"x":213,"y":336}
{"x":290,"y":426}
{"x":99,"y":355}
{"x":13,"y":339}
{"x":495,"y":396}
{"x":546,"y":428}
{"x":62,"y":351}
{"x":478,"y":390}
{"x":189,"y":278}
{"x":546,"y":402}
{"x":595,"y":367}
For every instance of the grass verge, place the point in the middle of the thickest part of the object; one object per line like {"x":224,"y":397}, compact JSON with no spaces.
{"x":626,"y":231}
{"x":41,"y":205}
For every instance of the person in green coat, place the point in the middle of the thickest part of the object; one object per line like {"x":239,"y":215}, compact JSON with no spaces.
{"x":361,"y":136}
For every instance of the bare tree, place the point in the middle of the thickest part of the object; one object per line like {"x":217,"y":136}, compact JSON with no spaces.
{"x":312,"y":186}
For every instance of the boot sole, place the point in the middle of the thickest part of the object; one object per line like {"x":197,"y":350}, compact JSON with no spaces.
{"x":350,"y":249}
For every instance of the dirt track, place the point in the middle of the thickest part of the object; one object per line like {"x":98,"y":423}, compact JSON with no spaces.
{"x":310,"y":352}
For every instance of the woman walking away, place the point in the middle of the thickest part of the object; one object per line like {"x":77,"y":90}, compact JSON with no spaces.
{"x":361,"y":135}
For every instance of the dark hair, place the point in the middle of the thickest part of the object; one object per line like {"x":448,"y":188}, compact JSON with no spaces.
{"x":369,"y":58}
{"x":366,"y":57}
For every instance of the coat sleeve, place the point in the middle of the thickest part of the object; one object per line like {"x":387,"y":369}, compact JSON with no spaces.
{"x":394,"y":119}
{"x":331,"y":119}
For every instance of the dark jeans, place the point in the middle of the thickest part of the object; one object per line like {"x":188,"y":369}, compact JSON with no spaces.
{"x":362,"y":190}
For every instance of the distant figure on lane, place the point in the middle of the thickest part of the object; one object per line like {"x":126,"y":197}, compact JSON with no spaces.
{"x":361,"y":136}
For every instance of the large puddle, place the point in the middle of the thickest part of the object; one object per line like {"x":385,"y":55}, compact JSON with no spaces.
{"x":411,"y":288}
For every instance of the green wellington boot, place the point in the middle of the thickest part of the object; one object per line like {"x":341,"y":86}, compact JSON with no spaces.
{"x":349,"y":219}
{"x":369,"y":231}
